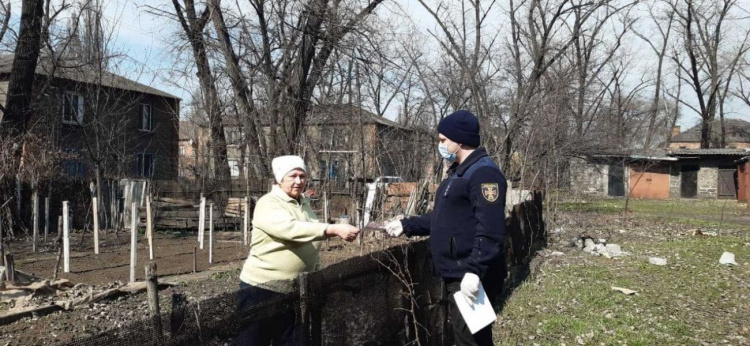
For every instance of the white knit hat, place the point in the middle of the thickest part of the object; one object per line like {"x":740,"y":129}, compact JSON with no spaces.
{"x":284,"y":164}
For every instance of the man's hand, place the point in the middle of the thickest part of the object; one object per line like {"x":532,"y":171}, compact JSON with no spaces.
{"x":394,"y":228}
{"x":470,"y":287}
{"x":344,"y":231}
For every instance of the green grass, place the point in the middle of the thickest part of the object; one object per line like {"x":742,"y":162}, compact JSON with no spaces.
{"x":690,"y":301}
{"x":714,"y":214}
{"x":231,"y":274}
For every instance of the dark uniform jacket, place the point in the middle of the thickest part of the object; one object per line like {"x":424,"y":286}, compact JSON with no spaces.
{"x":467,"y":224}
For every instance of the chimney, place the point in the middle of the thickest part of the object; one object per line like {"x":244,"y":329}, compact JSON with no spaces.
{"x":675,"y":131}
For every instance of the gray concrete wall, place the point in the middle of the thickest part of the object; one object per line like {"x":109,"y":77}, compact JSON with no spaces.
{"x":588,"y":178}
{"x":708,"y":179}
{"x":674,"y":182}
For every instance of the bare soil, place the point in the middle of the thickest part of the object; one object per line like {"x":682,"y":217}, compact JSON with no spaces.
{"x":111,"y":268}
{"x":173,"y":253}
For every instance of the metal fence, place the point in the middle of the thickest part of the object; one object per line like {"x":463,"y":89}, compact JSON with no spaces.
{"x":388,"y":297}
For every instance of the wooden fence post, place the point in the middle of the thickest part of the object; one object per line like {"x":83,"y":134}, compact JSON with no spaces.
{"x":95,"y":205}
{"x":149,"y":229}
{"x":195,"y":259}
{"x":304,"y":307}
{"x":66,"y":238}
{"x":18,"y":195}
{"x":133,"y":239}
{"x":2,"y":247}
{"x":46,"y":218}
{"x":35,"y":216}
{"x":10,"y":268}
{"x":211,"y":234}
{"x":152,"y":291}
{"x":201,"y":221}
{"x":246,"y":221}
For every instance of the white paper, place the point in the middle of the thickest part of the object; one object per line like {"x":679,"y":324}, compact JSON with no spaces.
{"x":477,"y":315}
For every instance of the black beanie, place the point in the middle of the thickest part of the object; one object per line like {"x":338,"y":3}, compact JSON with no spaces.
{"x":461,"y":127}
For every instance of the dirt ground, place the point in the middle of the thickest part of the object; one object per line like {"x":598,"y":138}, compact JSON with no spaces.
{"x":95,"y":273}
{"x":173,"y":253}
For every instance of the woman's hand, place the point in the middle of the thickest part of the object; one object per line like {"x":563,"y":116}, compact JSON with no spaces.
{"x":344,"y":231}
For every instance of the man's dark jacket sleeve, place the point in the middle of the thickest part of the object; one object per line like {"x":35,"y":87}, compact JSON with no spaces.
{"x":489,"y":211}
{"x":417,"y":225}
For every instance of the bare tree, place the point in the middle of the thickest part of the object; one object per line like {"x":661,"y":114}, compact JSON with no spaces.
{"x":240,"y":88}
{"x":17,"y":110}
{"x":193,"y":26}
{"x":662,"y":19}
{"x":704,"y":30}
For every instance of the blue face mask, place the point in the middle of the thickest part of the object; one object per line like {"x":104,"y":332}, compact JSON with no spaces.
{"x":447,"y":155}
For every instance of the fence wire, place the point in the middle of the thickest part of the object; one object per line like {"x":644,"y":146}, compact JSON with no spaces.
{"x":365,"y":300}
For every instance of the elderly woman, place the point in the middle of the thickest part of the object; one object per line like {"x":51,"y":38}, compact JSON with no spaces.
{"x":285,"y":242}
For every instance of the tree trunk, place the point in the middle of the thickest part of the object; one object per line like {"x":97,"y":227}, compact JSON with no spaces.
{"x":193,"y":27}
{"x":239,"y":85}
{"x":18,"y":105}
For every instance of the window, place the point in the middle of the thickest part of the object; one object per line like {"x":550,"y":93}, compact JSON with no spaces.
{"x":72,"y":110}
{"x":339,"y":141}
{"x":323,"y":168}
{"x":182,"y":150}
{"x":233,"y":135}
{"x":72,"y":165}
{"x":333,"y":170}
{"x":146,"y":118}
{"x":145,"y":164}
{"x":73,"y":169}
{"x":234,"y":168}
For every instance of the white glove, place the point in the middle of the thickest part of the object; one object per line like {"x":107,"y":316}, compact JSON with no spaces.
{"x":394,"y":228}
{"x":470,"y":287}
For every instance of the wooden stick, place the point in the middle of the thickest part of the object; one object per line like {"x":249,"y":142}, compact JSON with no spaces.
{"x":211,"y":233}
{"x":46,"y":218}
{"x":66,"y":238}
{"x":245,"y":220}
{"x":195,"y":259}
{"x":95,"y":205}
{"x":35,"y":217}
{"x":2,"y":248}
{"x":59,"y":246}
{"x":18,"y":195}
{"x":133,"y":239}
{"x":304,"y":305}
{"x":10,"y":270}
{"x":201,"y":221}
{"x":152,"y":292}
{"x":149,"y":229}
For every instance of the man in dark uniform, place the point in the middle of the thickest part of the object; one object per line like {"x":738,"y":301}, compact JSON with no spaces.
{"x":467,"y":224}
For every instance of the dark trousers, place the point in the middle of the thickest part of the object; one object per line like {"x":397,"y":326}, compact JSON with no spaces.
{"x":276,"y":330}
{"x":461,"y":333}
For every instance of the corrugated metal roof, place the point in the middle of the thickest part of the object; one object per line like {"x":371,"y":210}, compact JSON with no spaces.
{"x":667,"y":155}
{"x":84,"y":74}
{"x":705,"y":152}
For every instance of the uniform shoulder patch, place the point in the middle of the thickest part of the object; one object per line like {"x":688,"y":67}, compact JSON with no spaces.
{"x":490,"y":192}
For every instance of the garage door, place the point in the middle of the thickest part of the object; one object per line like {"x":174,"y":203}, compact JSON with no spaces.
{"x":649,"y":183}
{"x":728,"y":183}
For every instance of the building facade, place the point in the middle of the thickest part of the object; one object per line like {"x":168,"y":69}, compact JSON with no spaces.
{"x":102,"y":122}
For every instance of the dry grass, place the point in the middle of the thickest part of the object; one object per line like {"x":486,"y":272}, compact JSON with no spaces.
{"x":691,"y":301}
